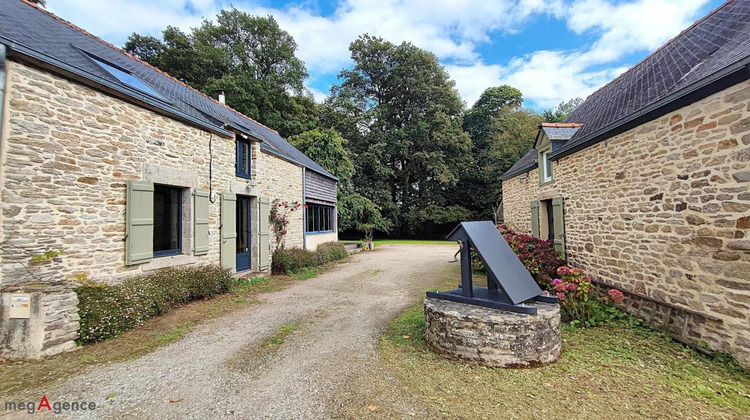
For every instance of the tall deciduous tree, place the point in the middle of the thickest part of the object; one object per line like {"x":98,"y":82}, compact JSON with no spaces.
{"x":249,"y":57}
{"x":501,"y":132}
{"x":402,"y":116}
{"x":355,"y":212}
{"x":561,"y":111}
{"x":328,"y":149}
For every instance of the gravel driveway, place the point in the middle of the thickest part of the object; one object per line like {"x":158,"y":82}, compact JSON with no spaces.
{"x":324,"y":369}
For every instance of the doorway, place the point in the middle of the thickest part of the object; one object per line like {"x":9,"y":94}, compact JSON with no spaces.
{"x":243,"y":233}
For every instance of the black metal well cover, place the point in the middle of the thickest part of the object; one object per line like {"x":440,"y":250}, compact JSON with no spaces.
{"x":502,"y":263}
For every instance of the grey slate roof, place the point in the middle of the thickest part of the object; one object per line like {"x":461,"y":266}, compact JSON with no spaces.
{"x":713,"y":44}
{"x":33,"y":32}
{"x":527,"y":162}
{"x":716,"y":46}
{"x":559,"y":133}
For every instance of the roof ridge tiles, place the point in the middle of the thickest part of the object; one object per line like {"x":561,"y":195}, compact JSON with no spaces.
{"x":152,"y":67}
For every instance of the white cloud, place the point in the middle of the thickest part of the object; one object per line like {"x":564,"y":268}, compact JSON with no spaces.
{"x":318,"y":94}
{"x":549,"y":77}
{"x":114,"y":20}
{"x":451,"y":29}
{"x":629,"y":27}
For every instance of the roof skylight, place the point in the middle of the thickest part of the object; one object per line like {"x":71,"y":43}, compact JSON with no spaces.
{"x":128,"y":79}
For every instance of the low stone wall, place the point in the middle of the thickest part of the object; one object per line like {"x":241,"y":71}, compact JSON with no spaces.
{"x":492,"y":337}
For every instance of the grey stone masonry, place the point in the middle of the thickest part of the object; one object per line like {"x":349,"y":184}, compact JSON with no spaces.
{"x":663,"y":210}
{"x":491,"y":337}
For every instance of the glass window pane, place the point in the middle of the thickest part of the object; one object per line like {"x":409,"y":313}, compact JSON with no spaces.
{"x":245,"y":159}
{"x":167,"y":219}
{"x":128,"y":79}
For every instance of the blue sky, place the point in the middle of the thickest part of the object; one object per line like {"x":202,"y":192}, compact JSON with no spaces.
{"x":552,"y":50}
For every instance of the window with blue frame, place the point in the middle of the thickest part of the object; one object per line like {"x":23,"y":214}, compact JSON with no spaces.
{"x":167,"y":220}
{"x":319,"y":218}
{"x":127,"y":78}
{"x":243,"y":159}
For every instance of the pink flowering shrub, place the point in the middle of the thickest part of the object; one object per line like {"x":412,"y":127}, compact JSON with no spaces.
{"x":537,"y":255}
{"x":577,"y":301}
{"x":572,"y":287}
{"x":616,"y":296}
{"x":574,"y":291}
{"x":279,"y":218}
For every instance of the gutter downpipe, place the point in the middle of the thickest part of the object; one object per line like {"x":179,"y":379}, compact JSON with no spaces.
{"x":3,"y":71}
{"x":3,"y":79}
{"x":304,"y":213}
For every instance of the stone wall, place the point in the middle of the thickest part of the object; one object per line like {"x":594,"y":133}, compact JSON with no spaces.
{"x":284,"y":181}
{"x":67,"y":152}
{"x":663,"y":210}
{"x":518,"y":193}
{"x":492,"y":337}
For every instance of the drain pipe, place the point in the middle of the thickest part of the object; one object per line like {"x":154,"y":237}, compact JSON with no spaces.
{"x":304,"y":212}
{"x":3,"y":71}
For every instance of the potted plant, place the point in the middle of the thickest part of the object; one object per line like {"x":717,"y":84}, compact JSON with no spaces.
{"x":368,"y":229}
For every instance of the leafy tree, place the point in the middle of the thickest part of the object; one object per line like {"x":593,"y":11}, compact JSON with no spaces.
{"x":361,"y":214}
{"x":501,"y":132}
{"x":479,"y":119}
{"x":355,"y":212}
{"x":402,"y":116}
{"x":561,"y":111}
{"x":249,"y":57}
{"x":147,"y":48}
{"x":518,"y":129}
{"x":328,"y":149}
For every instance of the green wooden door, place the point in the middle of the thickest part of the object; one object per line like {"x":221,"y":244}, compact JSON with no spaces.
{"x":264,"y":243}
{"x":228,"y":231}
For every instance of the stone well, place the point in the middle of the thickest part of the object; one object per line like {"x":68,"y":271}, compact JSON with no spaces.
{"x":492,"y":337}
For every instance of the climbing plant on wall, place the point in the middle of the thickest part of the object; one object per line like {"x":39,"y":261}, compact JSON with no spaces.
{"x":279,"y":218}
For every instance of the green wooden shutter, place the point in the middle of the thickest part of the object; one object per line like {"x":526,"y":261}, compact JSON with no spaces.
{"x":557,"y":215}
{"x":263,"y":236}
{"x":229,"y":231}
{"x":139,"y":222}
{"x":535,"y":218}
{"x":200,"y":223}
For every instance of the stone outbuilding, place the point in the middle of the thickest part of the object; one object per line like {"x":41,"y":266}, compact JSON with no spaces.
{"x":646,"y":185}
{"x":124,"y":169}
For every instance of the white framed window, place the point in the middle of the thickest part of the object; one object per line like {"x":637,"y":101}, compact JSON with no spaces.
{"x":546,"y":166}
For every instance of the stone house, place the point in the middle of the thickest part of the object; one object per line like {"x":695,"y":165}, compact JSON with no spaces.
{"x":646,"y":185}
{"x":125,"y":170}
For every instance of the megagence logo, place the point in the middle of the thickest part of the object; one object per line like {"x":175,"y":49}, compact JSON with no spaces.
{"x":44,"y":405}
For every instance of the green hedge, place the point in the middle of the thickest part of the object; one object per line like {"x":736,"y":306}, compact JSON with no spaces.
{"x":287,"y":261}
{"x":107,"y":311}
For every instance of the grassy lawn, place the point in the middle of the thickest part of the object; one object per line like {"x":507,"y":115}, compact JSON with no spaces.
{"x":24,"y":376}
{"x":607,"y":372}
